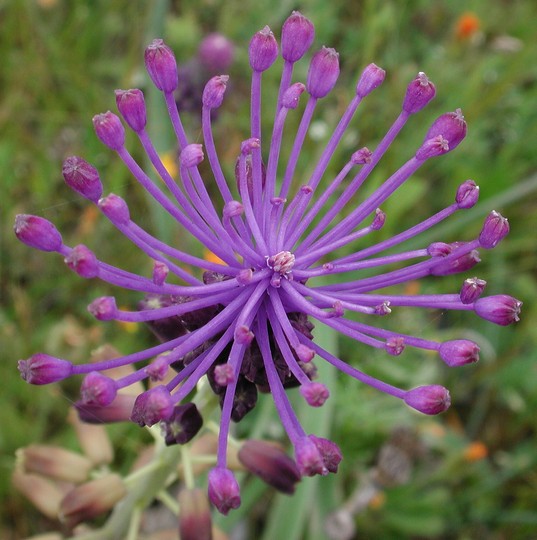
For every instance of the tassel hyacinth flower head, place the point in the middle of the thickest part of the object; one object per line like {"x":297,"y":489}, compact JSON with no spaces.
{"x":246,"y":322}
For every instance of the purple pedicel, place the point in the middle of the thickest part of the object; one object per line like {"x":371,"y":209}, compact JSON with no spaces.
{"x":244,"y":316}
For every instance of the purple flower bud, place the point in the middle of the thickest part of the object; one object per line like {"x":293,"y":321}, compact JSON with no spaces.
{"x":115,"y":209}
{"x":192,"y":155}
{"x":383,"y":309}
{"x":131,"y":105}
{"x":432,"y":399}
{"x":263,"y":50}
{"x":213,"y":93}
{"x":158,"y":368}
{"x":304,"y":353}
{"x":152,"y":406}
{"x":330,"y":452}
{"x":160,"y":273}
{"x":459,"y":352}
{"x":460,"y":264}
{"x":109,"y":129}
{"x":233,"y":209}
{"x":395,"y":345}
{"x":161,"y":66}
{"x":451,"y":127}
{"x":224,"y":491}
{"x":270,"y":462}
{"x":378,"y":220}
{"x":433,"y":147}
{"x":103,"y":308}
{"x":216,"y":52}
{"x":308,"y":458}
{"x":224,"y":374}
{"x":291,"y":96}
{"x":83,"y":178}
{"x":44,"y":369}
{"x":471,"y":290}
{"x":500,"y":309}
{"x":183,"y":425}
{"x":315,"y":393}
{"x":244,"y":277}
{"x":323,"y":72}
{"x":467,"y":194}
{"x":362,"y":156}
{"x":98,"y":389}
{"x":118,"y":411}
{"x":297,"y":36}
{"x":371,"y":78}
{"x":37,"y":232}
{"x":439,"y":249}
{"x":83,"y":261}
{"x":195,"y":515}
{"x":243,"y":335}
{"x":495,"y":228}
{"x":419,"y":92}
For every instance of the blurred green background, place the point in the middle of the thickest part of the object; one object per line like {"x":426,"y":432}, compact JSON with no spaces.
{"x":472,"y":473}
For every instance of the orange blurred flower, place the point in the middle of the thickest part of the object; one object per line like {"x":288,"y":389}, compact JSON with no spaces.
{"x":467,"y":25}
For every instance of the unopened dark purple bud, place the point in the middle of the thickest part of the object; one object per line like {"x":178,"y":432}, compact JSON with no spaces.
{"x":195,"y":515}
{"x":315,"y":393}
{"x":160,"y":272}
{"x":433,"y":399}
{"x":161,"y":66}
{"x":83,"y":261}
{"x":37,"y":232}
{"x":459,"y":264}
{"x":152,"y":406}
{"x":131,"y":105}
{"x":471,"y":290}
{"x":216,"y":52}
{"x":395,"y":345}
{"x":263,"y":50}
{"x":98,"y":389}
{"x":450,"y":126}
{"x":330,"y":452}
{"x":213,"y":93}
{"x":224,"y":374}
{"x":118,"y":411}
{"x":419,"y":92}
{"x":115,"y":209}
{"x":500,"y":309}
{"x":183,"y":425}
{"x":436,"y":146}
{"x":459,"y":352}
{"x":103,"y":308}
{"x":109,"y":129}
{"x":83,"y":178}
{"x":291,"y":96}
{"x":371,"y":78}
{"x":439,"y":249}
{"x":378,"y":220}
{"x":467,"y":194}
{"x":298,"y":33}
{"x":44,"y":369}
{"x":224,"y":492}
{"x":192,"y":155}
{"x":308,"y":458}
{"x":495,"y":228}
{"x":323,"y":72}
{"x":270,"y":462}
{"x":362,"y":156}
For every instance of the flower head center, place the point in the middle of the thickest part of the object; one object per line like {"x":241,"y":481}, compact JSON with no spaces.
{"x":282,"y":263}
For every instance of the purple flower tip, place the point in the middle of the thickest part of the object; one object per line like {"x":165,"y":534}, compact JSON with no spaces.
{"x":183,"y":425}
{"x":158,"y":368}
{"x":298,"y":33}
{"x":308,"y":458}
{"x":433,"y":399}
{"x":378,"y":220}
{"x":500,"y":309}
{"x":192,"y":155}
{"x":471,"y":290}
{"x":458,"y":264}
{"x":233,"y":209}
{"x":213,"y":93}
{"x":419,"y":92}
{"x":103,"y":308}
{"x":467,"y":194}
{"x":495,"y":228}
{"x":330,"y":452}
{"x":44,"y":369}
{"x":224,"y":491}
{"x":315,"y":393}
{"x":152,"y":406}
{"x":83,"y":261}
{"x":160,"y":272}
{"x":323,"y":72}
{"x":263,"y":50}
{"x":37,"y":232}
{"x":161,"y":66}
{"x":83,"y":178}
{"x":131,"y":105}
{"x":371,"y":78}
{"x":362,"y":156}
{"x":395,"y":345}
{"x":243,"y":335}
{"x":115,"y":209}
{"x":291,"y":96}
{"x":109,"y":129}
{"x":304,"y":353}
{"x":97,"y":389}
{"x":450,"y":126}
{"x":216,"y":52}
{"x":224,"y":374}
{"x":459,"y":352}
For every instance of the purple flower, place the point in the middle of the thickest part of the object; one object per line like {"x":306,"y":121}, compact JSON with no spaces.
{"x":246,"y":322}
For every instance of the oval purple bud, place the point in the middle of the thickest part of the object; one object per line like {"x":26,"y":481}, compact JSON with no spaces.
{"x":495,"y":228}
{"x":216,"y":52}
{"x":371,"y":78}
{"x":330,"y":452}
{"x":183,"y":425}
{"x":500,"y":309}
{"x":152,"y":406}
{"x":419,"y":92}
{"x":471,"y":290}
{"x":450,"y":126}
{"x":459,"y":352}
{"x":98,"y":389}
{"x":83,"y":261}
{"x":224,"y":492}
{"x":131,"y":105}
{"x":323,"y":72}
{"x":44,"y":369}
{"x":160,"y":272}
{"x":362,"y":156}
{"x":298,"y":33}
{"x":291,"y":96}
{"x":308,"y":458}
{"x":467,"y":194}
{"x":161,"y":65}
{"x":37,"y":232}
{"x":115,"y":209}
{"x":191,"y":155}
{"x":433,"y":399}
{"x":378,"y":220}
{"x":109,"y":129}
{"x":263,"y":50}
{"x":315,"y":394}
{"x":83,"y":178}
{"x":213,"y":93}
{"x":103,"y":308}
